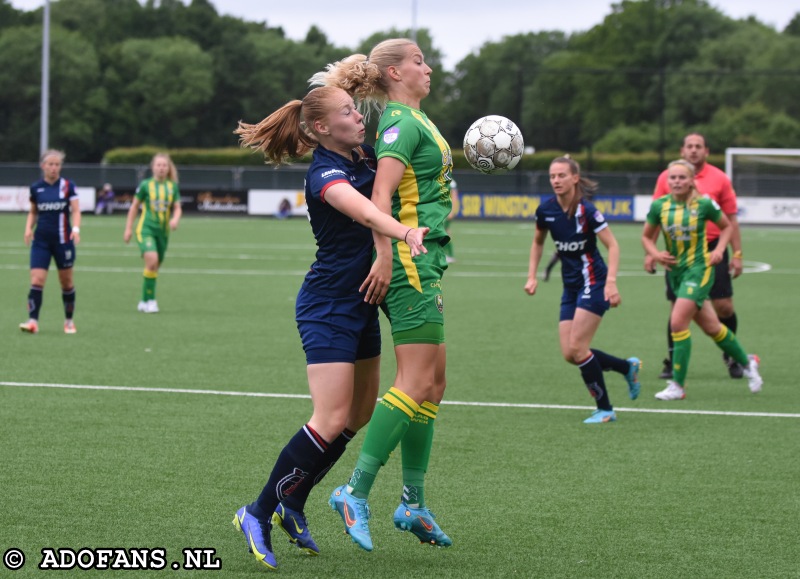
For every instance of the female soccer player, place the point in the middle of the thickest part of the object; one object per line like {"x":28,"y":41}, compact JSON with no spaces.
{"x":413,"y":185}
{"x":53,"y":200}
{"x":160,"y":200}
{"x":337,"y":313}
{"x":589,"y":287}
{"x":682,"y":216}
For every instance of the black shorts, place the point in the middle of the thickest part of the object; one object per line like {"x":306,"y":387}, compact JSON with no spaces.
{"x":723,"y":283}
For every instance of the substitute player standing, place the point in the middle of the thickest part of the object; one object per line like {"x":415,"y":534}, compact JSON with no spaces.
{"x":53,"y":200}
{"x":160,"y":200}
{"x":713,"y":182}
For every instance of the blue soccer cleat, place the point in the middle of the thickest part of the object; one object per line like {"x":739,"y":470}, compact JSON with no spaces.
{"x":601,"y":417}
{"x":632,"y":377}
{"x":295,"y":525}
{"x":355,"y":514}
{"x":420,"y":522}
{"x":256,"y":533}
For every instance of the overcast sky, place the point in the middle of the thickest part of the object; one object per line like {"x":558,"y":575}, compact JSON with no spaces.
{"x":458,"y":27}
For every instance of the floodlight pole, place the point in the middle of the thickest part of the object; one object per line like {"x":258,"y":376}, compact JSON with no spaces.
{"x":45,"y":120}
{"x":414,"y":20}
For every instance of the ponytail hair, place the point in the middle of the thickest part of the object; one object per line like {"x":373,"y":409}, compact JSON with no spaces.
{"x":172,"y":173}
{"x":585,"y":187}
{"x":365,"y":78}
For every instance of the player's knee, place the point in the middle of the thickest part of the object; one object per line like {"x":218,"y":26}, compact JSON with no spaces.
{"x":723,"y":307}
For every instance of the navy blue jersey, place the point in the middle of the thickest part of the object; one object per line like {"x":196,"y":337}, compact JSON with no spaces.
{"x":344,"y":247}
{"x":52,"y":203}
{"x":576,"y":241}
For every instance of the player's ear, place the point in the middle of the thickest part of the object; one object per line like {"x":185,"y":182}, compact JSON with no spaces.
{"x":321,"y":127}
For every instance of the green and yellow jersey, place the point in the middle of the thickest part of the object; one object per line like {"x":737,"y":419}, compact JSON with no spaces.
{"x":157,"y":199}
{"x":684,"y":227}
{"x":423,"y":197}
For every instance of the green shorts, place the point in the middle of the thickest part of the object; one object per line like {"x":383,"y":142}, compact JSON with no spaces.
{"x":415,"y":295}
{"x":157,"y":243}
{"x":692,"y":284}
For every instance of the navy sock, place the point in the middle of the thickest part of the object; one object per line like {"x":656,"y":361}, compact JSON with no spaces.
{"x":731,"y":322}
{"x":609,"y":362}
{"x":34,"y":301}
{"x":297,"y":500}
{"x":295,"y":461}
{"x":593,"y":378}
{"x":68,"y":297}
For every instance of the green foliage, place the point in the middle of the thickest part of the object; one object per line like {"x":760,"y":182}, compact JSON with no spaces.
{"x":220,"y":156}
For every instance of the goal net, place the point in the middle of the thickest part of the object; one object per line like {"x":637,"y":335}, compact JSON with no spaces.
{"x":764,"y":172}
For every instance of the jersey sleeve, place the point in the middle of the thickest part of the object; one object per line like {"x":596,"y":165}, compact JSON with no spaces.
{"x":540,"y":220}
{"x":176,"y":194}
{"x":654,"y":214}
{"x":32,"y":195}
{"x":597,"y":221}
{"x":727,"y":198}
{"x":141,"y":192}
{"x":662,"y":188}
{"x":71,"y":192}
{"x":322,"y":177}
{"x":398,"y":138}
{"x":712,"y":210}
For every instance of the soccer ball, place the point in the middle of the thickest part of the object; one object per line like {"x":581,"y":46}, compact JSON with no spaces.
{"x":492,"y":144}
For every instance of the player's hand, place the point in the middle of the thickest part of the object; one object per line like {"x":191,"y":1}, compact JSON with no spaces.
{"x":75,"y":237}
{"x":414,"y":240}
{"x":649,"y":263}
{"x":611,"y":294}
{"x":173,"y":224}
{"x":666,"y":259}
{"x":530,"y":286}
{"x":28,"y":236}
{"x":126,"y":237}
{"x":715,"y":257}
{"x":736,"y":267}
{"x":377,"y":283}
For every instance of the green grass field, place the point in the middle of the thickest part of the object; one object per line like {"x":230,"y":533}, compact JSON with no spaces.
{"x":705,"y":487}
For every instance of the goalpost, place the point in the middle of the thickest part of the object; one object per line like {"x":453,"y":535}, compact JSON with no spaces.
{"x":767,"y":184}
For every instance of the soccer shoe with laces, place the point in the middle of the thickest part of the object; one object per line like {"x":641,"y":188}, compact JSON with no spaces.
{"x":421,"y":522}
{"x":673,"y":391}
{"x":601,"y":417}
{"x":735,"y":370}
{"x":295,"y":525}
{"x":30,"y":327}
{"x":632,"y":377}
{"x":355,"y":514}
{"x":666,"y":371}
{"x":69,"y":327}
{"x":751,"y":372}
{"x":257,"y":535}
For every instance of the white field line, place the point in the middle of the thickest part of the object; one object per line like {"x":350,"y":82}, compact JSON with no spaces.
{"x":446,"y":402}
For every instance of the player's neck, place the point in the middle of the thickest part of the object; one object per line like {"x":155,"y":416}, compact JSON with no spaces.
{"x":565,"y":200}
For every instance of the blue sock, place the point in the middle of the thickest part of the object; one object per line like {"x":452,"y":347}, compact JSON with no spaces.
{"x":34,"y":301}
{"x":592,"y":374}
{"x":68,"y":297}
{"x":297,"y":459}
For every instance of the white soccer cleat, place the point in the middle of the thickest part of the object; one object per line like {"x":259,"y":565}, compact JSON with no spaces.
{"x":30,"y":327}
{"x":69,"y":327}
{"x":673,"y":391}
{"x":142,"y":307}
{"x":152,"y":307}
{"x":751,"y":372}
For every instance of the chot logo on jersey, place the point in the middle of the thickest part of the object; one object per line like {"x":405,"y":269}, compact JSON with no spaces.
{"x":390,"y":135}
{"x":570,"y":245}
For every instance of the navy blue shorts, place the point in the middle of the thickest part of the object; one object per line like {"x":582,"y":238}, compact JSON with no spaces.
{"x":591,"y":298}
{"x":337,"y":329}
{"x":42,"y":252}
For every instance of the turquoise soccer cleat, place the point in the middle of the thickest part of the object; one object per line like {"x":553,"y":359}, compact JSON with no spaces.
{"x":295,"y":525}
{"x":355,"y":514}
{"x":601,"y":417}
{"x":632,"y":377}
{"x":257,"y":535}
{"x":421,"y":522}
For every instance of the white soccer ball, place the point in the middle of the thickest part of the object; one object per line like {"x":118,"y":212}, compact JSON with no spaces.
{"x":493,"y":143}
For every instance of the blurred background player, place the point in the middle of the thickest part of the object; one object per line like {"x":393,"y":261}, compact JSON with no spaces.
{"x":52,"y":237}
{"x":160,"y":201}
{"x":684,"y":217}
{"x":713,"y":182}
{"x":590,"y":288}
{"x":448,"y":249}
{"x":336,"y":311}
{"x":410,"y":150}
{"x":105,"y":200}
